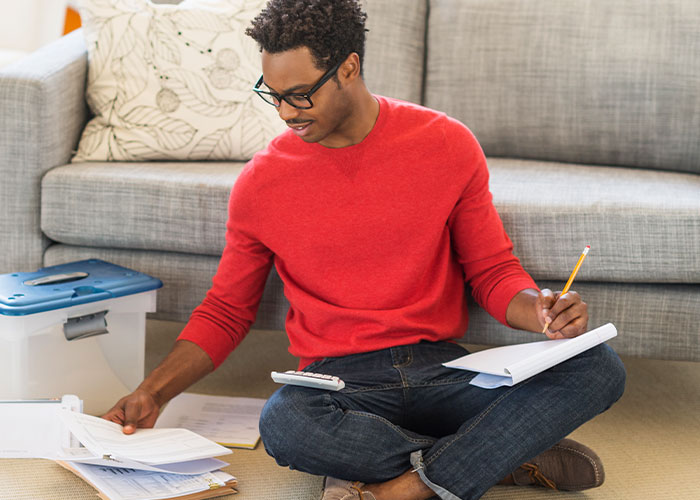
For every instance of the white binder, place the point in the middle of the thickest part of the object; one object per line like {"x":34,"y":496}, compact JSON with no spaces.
{"x":32,"y":428}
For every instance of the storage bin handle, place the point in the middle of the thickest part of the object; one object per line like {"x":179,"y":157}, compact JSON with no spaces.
{"x":86,"y":326}
{"x":56,"y":278}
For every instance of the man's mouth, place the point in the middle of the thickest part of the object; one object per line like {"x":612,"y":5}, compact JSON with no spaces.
{"x":299,"y":129}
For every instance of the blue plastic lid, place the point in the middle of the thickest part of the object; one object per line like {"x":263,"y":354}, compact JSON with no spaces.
{"x":68,"y":285}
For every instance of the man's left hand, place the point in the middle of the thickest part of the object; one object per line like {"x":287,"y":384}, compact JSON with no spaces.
{"x":566,"y":314}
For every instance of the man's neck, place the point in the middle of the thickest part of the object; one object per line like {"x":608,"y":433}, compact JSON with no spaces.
{"x":360,"y":123}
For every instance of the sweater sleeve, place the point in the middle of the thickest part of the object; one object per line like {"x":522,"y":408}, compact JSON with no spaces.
{"x":483,"y":248}
{"x":223,"y":319}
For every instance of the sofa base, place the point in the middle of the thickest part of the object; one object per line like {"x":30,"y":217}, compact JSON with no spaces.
{"x":653,"y":320}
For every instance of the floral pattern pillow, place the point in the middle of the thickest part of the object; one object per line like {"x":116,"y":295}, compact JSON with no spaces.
{"x":173,"y":82}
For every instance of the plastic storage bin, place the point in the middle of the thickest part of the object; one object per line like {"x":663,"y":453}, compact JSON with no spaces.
{"x":75,"y":328}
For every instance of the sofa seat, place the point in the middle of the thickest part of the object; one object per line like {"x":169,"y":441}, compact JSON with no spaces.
{"x":647,"y":232}
{"x":642,"y":225}
{"x":173,"y":207}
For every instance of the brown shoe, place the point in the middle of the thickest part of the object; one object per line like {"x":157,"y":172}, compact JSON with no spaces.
{"x":337,"y":489}
{"x":567,"y":465}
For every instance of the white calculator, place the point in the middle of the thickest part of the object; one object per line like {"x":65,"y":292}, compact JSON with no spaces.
{"x":308,"y":379}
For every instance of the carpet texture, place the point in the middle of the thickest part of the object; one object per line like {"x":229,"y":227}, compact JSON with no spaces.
{"x":649,"y":441}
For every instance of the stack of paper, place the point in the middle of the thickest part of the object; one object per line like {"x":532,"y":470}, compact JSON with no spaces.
{"x":151,"y":464}
{"x":114,"y":483}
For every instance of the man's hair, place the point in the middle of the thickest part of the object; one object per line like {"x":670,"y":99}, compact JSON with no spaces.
{"x":331,"y":29}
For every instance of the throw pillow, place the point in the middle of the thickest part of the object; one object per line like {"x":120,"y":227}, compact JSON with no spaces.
{"x":173,"y":82}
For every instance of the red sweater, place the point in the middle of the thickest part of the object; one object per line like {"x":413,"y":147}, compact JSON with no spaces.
{"x":373,"y":242}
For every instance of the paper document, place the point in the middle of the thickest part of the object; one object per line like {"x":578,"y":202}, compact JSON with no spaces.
{"x":188,"y":468}
{"x":171,"y":450}
{"x":226,"y":420}
{"x":34,"y":429}
{"x":128,"y":484}
{"x":508,"y":365}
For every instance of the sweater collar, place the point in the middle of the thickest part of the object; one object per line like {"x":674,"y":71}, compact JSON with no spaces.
{"x":360,"y":146}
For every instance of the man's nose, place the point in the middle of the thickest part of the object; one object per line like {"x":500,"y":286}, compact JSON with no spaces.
{"x":287,"y":111}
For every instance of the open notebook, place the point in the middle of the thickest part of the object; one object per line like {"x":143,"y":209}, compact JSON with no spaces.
{"x":176,"y":451}
{"x":510,"y":364}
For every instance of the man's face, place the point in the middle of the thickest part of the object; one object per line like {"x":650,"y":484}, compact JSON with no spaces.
{"x":294,"y":71}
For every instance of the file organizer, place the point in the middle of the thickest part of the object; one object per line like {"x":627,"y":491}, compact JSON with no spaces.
{"x":76,"y":328}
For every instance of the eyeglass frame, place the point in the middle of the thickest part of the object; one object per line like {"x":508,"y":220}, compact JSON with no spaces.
{"x":306,"y":95}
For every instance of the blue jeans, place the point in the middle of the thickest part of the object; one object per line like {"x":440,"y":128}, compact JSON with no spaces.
{"x":402,"y":410}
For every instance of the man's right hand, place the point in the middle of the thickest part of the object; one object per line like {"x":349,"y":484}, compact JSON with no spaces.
{"x":183,"y":366}
{"x":136,"y":410}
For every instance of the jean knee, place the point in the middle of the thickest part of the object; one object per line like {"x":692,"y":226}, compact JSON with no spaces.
{"x":609,"y":374}
{"x":273,"y":420}
{"x":286,"y":421}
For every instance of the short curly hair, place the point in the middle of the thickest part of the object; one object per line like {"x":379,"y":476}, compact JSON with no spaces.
{"x":331,"y":29}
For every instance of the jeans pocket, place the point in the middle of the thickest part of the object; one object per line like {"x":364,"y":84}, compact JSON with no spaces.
{"x":313,"y":367}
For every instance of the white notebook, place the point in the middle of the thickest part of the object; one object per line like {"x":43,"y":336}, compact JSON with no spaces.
{"x":510,"y":364}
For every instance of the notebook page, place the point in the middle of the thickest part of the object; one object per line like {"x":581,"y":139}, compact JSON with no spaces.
{"x":150,"y":446}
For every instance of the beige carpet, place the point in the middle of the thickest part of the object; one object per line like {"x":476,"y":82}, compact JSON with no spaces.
{"x":649,"y":441}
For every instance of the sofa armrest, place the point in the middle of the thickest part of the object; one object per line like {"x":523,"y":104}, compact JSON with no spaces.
{"x":42,"y":113}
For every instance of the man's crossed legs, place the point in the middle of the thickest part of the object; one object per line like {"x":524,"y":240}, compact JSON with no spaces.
{"x":401,"y":411}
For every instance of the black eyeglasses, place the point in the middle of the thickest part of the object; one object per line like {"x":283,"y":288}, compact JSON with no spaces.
{"x":295,"y":99}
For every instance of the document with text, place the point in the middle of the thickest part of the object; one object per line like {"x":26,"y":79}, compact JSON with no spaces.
{"x":115,"y":483}
{"x":229,"y":421}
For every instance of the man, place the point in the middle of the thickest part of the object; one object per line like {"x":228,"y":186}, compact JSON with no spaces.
{"x":375,"y":212}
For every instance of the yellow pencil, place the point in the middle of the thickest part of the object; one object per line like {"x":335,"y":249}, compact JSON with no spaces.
{"x":571,"y":278}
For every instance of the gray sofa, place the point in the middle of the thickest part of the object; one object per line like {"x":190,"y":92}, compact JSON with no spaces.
{"x":588,"y":111}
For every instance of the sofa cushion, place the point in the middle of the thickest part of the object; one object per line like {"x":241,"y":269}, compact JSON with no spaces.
{"x":642,"y":225}
{"x":177,"y":207}
{"x":609,"y":82}
{"x":395,"y":49}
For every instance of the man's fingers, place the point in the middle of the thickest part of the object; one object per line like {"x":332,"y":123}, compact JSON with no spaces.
{"x":564,"y":302}
{"x":569,"y":316}
{"x":563,"y":313}
{"x":545,"y":300}
{"x":136,"y":410}
{"x":567,"y":323}
{"x":573,"y":329}
{"x":132,"y":415}
{"x":115,"y":414}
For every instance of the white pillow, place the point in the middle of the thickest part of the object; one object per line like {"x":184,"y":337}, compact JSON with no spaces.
{"x":173,"y":82}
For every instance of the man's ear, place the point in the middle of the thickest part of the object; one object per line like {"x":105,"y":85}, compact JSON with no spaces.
{"x":350,"y":69}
